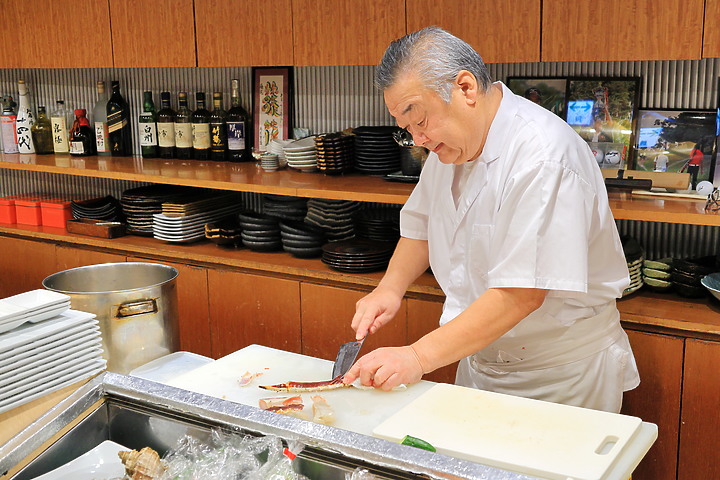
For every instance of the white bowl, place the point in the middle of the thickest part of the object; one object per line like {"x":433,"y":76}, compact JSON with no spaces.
{"x":712,"y":283}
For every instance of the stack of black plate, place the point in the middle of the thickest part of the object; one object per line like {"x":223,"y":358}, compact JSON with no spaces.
{"x":634,"y":256}
{"x":332,"y":216}
{"x":301,"y":240}
{"x":285,"y":207}
{"x":260,"y":232}
{"x":225,"y":232}
{"x":382,"y":224}
{"x":334,"y":152}
{"x":358,"y":255}
{"x":104,"y":208}
{"x":141,"y":203}
{"x":686,"y":275}
{"x":376,"y":152}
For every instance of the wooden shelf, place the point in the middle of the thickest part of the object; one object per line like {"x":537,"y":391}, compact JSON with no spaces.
{"x":247,"y":177}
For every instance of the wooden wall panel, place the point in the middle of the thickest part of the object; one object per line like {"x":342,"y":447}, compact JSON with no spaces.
{"x":711,"y":29}
{"x":621,"y":30}
{"x":236,"y":33}
{"x":657,"y":400}
{"x":345,"y":32}
{"x":250,"y":309}
{"x":326,"y":316}
{"x":700,"y":427}
{"x":497,"y":36}
{"x":70,"y":257}
{"x":423,"y":317}
{"x":10,"y":54}
{"x":193,"y":308}
{"x":153,"y":33}
{"x":24,"y":264}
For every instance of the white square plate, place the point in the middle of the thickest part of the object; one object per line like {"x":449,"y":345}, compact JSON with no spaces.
{"x":33,"y":357}
{"x":100,"y":462}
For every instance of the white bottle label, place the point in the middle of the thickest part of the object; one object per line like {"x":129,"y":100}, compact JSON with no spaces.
{"x":236,"y":135}
{"x":101,"y":137}
{"x":76,"y":148}
{"x":201,"y":135}
{"x":23,"y":124}
{"x":60,"y":135}
{"x":9,"y":135}
{"x":148,"y":134}
{"x":166,"y":134}
{"x":183,"y":135}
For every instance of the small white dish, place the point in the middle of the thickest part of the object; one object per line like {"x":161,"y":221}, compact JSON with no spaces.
{"x":36,"y":299}
{"x":302,"y":144}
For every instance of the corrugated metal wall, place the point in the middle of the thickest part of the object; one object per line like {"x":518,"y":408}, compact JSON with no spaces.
{"x":333,"y":98}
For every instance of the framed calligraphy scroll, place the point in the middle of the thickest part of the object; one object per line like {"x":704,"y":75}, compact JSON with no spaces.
{"x":272,"y":105}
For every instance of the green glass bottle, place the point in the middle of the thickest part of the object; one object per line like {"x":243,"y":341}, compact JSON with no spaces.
{"x":42,"y":133}
{"x":147,"y":126}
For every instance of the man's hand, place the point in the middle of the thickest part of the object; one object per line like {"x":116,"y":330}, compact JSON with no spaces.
{"x":386,"y":368}
{"x":373,"y":311}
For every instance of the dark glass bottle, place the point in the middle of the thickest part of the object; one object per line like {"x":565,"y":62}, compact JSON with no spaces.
{"x":218,"y":129}
{"x":82,"y":135}
{"x":183,"y":129}
{"x":166,"y":127}
{"x":147,"y":128}
{"x":42,"y":133}
{"x":201,"y":129}
{"x":238,"y":128}
{"x":118,"y":119}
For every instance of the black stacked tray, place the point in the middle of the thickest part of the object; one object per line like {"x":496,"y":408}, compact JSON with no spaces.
{"x":334,"y":152}
{"x":358,"y":255}
{"x":376,"y":152}
{"x":686,"y":275}
{"x":260,"y":232}
{"x":285,"y":207}
{"x":302,"y":240}
{"x":334,"y":217}
{"x":141,"y":203}
{"x":382,"y":224}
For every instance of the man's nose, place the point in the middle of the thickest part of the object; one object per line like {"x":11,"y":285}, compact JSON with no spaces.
{"x":419,"y":138}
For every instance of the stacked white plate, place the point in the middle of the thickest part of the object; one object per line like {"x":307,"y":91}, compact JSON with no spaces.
{"x":33,"y":306}
{"x":301,"y":154}
{"x":190,"y":227}
{"x":277,"y":147}
{"x":39,"y":358}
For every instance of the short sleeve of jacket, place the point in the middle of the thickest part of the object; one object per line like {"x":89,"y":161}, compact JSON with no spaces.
{"x":540,"y":237}
{"x":415,"y":212}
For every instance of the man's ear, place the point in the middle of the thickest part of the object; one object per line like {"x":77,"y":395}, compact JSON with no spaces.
{"x":468,"y":85}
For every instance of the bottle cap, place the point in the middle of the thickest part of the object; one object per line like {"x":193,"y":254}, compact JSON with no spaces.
{"x":217,"y":96}
{"x":80,"y":112}
{"x":22,"y":88}
{"x":182,"y":94}
{"x":164,"y":95}
{"x":101,"y":87}
{"x":200,"y":96}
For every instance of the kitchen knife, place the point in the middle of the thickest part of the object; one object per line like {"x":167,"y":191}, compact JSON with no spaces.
{"x":346,"y":357}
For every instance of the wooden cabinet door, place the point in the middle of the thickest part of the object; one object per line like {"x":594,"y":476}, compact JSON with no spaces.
{"x":24,"y":264}
{"x":497,"y":36}
{"x":157,"y":33}
{"x":345,"y":32}
{"x":423,"y":317}
{"x":250,"y":309}
{"x":700,"y":426}
{"x":711,"y":30}
{"x":326,"y":316}
{"x":70,"y":257}
{"x":575,"y":31}
{"x":657,"y":400}
{"x":240,"y":33}
{"x":60,"y":33}
{"x":193,"y":310}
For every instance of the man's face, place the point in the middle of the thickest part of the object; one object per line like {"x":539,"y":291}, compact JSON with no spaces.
{"x":434,"y":124}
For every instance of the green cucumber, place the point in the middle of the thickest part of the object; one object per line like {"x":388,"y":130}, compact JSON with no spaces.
{"x":417,"y":443}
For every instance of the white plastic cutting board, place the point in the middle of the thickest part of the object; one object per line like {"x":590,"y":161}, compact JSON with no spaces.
{"x":355,"y":410}
{"x":518,"y":434}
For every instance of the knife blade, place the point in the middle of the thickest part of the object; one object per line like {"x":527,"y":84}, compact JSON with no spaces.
{"x":346,"y":356}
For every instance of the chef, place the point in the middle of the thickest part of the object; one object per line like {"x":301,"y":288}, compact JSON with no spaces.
{"x":512,"y":215}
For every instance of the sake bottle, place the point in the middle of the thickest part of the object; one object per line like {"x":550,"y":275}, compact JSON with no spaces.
{"x":25,"y":120}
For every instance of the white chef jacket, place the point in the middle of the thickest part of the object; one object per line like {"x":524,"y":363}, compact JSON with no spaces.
{"x":533,"y":214}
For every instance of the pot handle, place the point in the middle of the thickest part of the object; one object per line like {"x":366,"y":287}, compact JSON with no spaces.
{"x":137,"y":308}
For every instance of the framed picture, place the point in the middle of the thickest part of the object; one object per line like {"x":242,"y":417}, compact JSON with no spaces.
{"x":676,"y":140}
{"x":603,"y":111}
{"x":272,"y":105}
{"x":548,"y":92}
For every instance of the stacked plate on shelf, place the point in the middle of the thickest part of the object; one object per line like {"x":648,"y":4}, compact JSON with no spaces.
{"x":335,"y":217}
{"x":301,"y":154}
{"x":656,"y":274}
{"x":141,"y":203}
{"x":302,"y":240}
{"x":382,"y":224}
{"x":687,"y":274}
{"x":184,"y":219}
{"x":39,"y":358}
{"x":31,"y":307}
{"x":285,"y":207}
{"x":358,"y":255}
{"x":104,"y":208}
{"x":224,"y":232}
{"x":334,"y":152}
{"x":277,"y":147}
{"x":634,"y":256}
{"x":376,"y":152}
{"x":260,"y":232}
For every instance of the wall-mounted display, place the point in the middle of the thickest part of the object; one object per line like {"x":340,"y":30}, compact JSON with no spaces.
{"x":671,"y":140}
{"x":548,"y":92}
{"x":272,"y":105}
{"x":603,"y":112}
